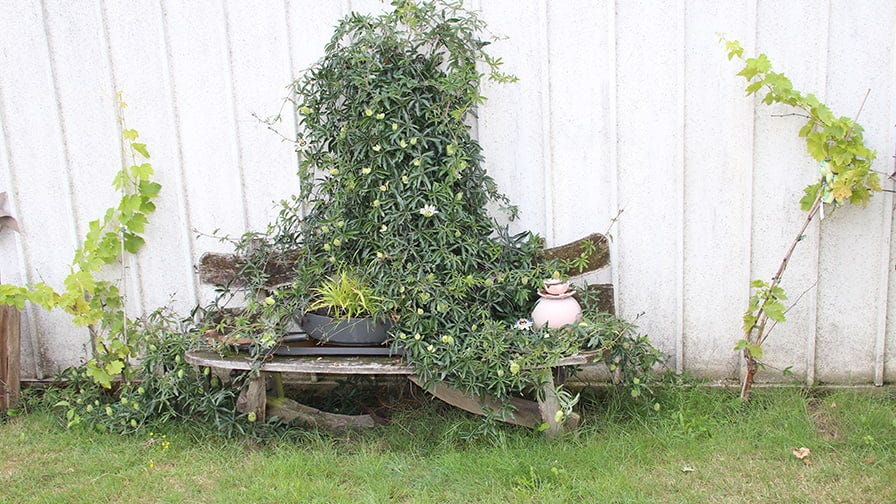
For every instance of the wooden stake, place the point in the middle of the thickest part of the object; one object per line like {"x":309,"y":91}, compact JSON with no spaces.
{"x":10,"y":336}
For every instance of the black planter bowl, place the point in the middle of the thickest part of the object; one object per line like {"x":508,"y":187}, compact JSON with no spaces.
{"x":344,"y":332}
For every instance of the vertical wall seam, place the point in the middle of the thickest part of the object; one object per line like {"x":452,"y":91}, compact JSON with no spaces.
{"x":68,"y":179}
{"x":134,"y":276}
{"x":811,"y":377}
{"x":238,"y":141}
{"x":24,"y":258}
{"x":613,"y":142}
{"x":749,"y":211}
{"x":681,"y":170}
{"x":293,"y":75}
{"x":883,"y":321}
{"x":546,"y":127}
{"x":812,"y":337}
{"x":63,"y":132}
{"x":184,"y":196}
{"x":476,"y":7}
{"x":880,"y":341}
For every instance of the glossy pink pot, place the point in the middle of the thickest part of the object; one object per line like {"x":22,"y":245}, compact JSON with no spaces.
{"x":556,"y":312}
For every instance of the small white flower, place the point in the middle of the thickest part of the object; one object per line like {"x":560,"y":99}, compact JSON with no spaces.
{"x":523,"y":323}
{"x":428,"y":210}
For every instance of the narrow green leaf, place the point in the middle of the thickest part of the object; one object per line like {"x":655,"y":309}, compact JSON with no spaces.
{"x":752,"y":88}
{"x":141,"y":149}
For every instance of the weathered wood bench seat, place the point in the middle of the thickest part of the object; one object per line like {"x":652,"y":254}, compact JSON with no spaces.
{"x":222,"y":269}
{"x":254,"y":398}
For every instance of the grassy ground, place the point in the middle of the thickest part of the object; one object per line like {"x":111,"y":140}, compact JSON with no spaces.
{"x":702,"y":446}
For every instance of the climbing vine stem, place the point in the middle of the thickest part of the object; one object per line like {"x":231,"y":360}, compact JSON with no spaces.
{"x":91,"y":301}
{"x":845,"y":176}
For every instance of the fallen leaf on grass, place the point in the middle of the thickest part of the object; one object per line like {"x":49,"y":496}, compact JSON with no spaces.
{"x":803,"y":454}
{"x":687,"y":469}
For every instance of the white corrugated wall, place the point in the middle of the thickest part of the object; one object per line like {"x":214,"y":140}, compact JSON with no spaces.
{"x":622,"y":106}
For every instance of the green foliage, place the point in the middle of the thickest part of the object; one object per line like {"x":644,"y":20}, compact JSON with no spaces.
{"x":845,"y":176}
{"x":344,"y":296}
{"x":394,"y":194}
{"x":768,"y":299}
{"x":163,"y":387}
{"x":90,"y":300}
{"x":836,"y":142}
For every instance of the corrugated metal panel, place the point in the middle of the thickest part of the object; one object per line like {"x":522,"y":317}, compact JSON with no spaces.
{"x":621,"y":106}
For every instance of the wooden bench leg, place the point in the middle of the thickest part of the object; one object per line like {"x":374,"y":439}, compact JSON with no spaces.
{"x":549,"y":405}
{"x":253,"y":398}
{"x":526,"y":412}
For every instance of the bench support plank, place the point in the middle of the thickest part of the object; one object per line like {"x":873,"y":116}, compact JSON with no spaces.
{"x":290,"y":410}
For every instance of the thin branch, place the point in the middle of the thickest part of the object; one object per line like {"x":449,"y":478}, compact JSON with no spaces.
{"x":806,"y":116}
{"x":862,"y":106}
{"x":796,"y":302}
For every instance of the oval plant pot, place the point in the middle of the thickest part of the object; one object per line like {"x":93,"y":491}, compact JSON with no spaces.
{"x":345,"y":332}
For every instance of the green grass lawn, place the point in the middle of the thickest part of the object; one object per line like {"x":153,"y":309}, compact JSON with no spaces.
{"x":701,"y":446}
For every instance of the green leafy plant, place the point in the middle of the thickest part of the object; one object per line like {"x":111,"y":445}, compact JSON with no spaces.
{"x":393,"y":190}
{"x":845,"y":177}
{"x":163,"y":387}
{"x":344,"y":296}
{"x":91,"y":301}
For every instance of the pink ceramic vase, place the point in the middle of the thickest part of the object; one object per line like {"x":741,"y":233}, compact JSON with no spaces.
{"x":555,"y":287}
{"x":556,"y":311}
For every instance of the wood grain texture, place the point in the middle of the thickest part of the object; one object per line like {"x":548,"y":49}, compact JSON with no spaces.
{"x":9,"y":357}
{"x":293,"y":411}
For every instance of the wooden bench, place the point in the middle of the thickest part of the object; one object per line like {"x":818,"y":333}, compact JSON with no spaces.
{"x":254,"y":400}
